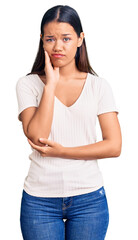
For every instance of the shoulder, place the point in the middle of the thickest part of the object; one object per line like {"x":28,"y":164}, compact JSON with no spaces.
{"x":30,"y":85}
{"x":28,"y":80}
{"x":31,"y":82}
{"x":98,"y":82}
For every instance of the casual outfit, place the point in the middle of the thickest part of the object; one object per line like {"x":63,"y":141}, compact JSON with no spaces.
{"x":52,"y":179}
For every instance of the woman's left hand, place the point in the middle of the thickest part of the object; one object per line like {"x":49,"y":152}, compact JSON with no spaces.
{"x":51,"y":149}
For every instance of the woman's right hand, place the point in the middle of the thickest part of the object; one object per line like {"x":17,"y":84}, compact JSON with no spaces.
{"x":52,"y":74}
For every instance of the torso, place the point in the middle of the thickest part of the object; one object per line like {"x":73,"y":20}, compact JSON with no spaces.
{"x":69,"y":91}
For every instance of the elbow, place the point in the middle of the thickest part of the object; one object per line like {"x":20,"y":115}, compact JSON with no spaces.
{"x":117,"y":153}
{"x":35,"y":138}
{"x":116,"y":150}
{"x":33,"y":132}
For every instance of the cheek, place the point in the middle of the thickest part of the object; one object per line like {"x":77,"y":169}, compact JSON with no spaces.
{"x":71,"y":49}
{"x":47,"y":47}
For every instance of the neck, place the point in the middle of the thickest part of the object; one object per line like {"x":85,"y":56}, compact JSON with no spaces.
{"x":68,"y":71}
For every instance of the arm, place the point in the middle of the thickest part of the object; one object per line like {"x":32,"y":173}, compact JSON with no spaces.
{"x":109,"y":147}
{"x":40,"y":123}
{"x":37,"y":121}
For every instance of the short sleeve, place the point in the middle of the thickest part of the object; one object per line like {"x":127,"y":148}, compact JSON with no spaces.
{"x":106,"y":100}
{"x":26,"y":96}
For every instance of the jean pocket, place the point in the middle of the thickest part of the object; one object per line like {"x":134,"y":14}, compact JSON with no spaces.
{"x":94,"y":195}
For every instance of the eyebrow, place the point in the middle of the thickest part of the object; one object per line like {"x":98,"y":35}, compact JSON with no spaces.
{"x":61,"y":34}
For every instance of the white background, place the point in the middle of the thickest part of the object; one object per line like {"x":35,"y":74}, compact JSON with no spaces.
{"x":110,"y":29}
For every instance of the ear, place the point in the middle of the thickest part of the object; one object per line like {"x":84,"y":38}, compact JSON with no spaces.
{"x":41,"y":36}
{"x":80,"y":39}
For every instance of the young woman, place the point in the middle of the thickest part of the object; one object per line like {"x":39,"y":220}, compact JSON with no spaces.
{"x":59,"y":102}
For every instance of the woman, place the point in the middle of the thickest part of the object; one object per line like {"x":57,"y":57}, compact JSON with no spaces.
{"x":58,"y":105}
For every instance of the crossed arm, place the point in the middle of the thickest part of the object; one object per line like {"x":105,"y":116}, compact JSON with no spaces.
{"x":109,"y":147}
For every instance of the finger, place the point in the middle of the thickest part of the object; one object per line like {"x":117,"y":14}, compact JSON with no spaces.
{"x":46,"y":141}
{"x":47,"y":59}
{"x":46,"y":55}
{"x":43,"y":155}
{"x":47,"y":62}
{"x":36,"y":146}
{"x":56,"y":69}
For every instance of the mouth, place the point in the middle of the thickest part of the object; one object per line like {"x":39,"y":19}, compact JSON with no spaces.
{"x":58,"y":55}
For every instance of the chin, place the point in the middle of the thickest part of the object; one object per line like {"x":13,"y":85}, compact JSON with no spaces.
{"x":57,"y":64}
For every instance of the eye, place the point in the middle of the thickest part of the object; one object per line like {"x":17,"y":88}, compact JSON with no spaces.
{"x":49,"y":40}
{"x":67,"y":39}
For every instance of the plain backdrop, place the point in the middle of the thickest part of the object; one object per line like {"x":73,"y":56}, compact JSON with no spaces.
{"x":110,"y":29}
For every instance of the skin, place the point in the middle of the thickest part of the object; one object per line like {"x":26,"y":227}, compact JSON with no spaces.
{"x":63,"y":70}
{"x":59,"y":44}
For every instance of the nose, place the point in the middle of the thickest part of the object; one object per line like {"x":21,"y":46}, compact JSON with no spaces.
{"x":57,"y":46}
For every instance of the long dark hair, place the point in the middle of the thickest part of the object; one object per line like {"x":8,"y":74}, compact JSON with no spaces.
{"x":63,"y":13}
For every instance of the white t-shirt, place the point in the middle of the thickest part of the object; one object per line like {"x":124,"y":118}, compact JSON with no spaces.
{"x":71,"y":127}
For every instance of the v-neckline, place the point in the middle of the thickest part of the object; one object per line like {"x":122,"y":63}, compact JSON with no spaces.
{"x":77,"y":100}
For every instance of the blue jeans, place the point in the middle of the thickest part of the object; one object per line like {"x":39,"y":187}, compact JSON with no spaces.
{"x":86,"y":217}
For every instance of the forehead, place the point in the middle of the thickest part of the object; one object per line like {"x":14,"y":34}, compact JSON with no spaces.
{"x":58,"y":28}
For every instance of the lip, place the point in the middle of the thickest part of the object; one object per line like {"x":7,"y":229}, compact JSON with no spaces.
{"x":58,"y":55}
